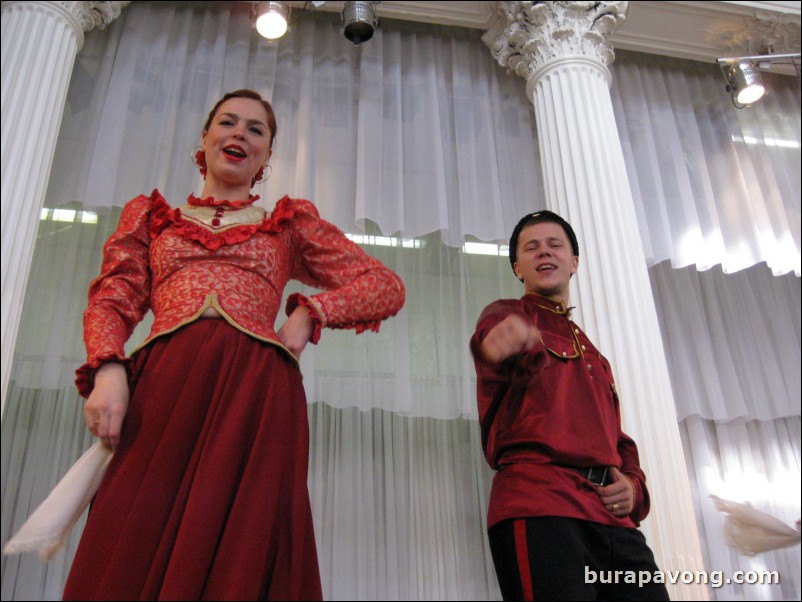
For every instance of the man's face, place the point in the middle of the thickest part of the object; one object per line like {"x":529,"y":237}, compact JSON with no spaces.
{"x":545,"y":260}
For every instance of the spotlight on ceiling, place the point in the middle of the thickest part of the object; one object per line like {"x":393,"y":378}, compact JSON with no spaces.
{"x":359,"y":21}
{"x":744,"y":81}
{"x":271,"y":19}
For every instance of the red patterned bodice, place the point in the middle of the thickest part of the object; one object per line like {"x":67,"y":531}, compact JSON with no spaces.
{"x":179,"y":262}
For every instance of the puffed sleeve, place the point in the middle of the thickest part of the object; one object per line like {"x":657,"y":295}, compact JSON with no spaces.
{"x":360,"y":291}
{"x":120,"y":296}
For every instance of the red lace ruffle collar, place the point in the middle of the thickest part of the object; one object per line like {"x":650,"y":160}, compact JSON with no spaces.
{"x":210,"y":201}
{"x":163,"y":216}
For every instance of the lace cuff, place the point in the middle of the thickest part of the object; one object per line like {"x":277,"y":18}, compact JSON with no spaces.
{"x":85,"y":375}
{"x":316,"y":312}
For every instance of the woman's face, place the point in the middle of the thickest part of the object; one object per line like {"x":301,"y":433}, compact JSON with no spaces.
{"x":237,"y":142}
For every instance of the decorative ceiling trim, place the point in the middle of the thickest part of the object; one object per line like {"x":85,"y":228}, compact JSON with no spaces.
{"x":695,"y":30}
{"x":704,"y":31}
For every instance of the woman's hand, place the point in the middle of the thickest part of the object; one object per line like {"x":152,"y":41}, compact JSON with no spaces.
{"x":297,"y":330}
{"x":107,"y":405}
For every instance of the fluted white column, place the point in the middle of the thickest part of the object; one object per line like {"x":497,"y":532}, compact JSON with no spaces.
{"x":561,"y":49}
{"x":39,"y":44}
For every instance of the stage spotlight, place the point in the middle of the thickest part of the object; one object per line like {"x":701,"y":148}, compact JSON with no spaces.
{"x":742,"y":74}
{"x":744,"y":83}
{"x":271,"y":19}
{"x":359,"y":21}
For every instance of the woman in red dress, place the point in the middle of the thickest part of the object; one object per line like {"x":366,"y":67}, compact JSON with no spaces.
{"x":206,"y":495}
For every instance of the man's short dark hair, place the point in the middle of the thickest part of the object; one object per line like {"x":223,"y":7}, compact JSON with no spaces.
{"x":536,"y":218}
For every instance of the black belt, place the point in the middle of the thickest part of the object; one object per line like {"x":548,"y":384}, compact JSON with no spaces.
{"x":597,"y":475}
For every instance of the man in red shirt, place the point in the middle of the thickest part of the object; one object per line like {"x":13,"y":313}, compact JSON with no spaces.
{"x":569,"y":491}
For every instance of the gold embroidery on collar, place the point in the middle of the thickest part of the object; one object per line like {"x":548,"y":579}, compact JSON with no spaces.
{"x":553,"y":305}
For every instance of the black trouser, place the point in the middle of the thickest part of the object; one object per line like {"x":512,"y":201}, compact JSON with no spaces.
{"x":555,"y":558}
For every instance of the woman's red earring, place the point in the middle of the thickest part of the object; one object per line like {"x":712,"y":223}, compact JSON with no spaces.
{"x":200,"y":161}
{"x":260,"y":175}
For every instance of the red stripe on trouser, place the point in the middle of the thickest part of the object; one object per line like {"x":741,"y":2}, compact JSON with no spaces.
{"x":522,"y":555}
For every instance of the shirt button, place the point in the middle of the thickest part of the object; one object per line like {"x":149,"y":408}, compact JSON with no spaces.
{"x":576,"y":330}
{"x":583,"y":347}
{"x":565,"y":354}
{"x":590,"y":367}
{"x":215,"y":222}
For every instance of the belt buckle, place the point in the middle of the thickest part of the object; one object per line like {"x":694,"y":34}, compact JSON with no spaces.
{"x":593,"y":472}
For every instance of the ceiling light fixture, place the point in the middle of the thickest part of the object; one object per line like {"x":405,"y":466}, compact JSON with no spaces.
{"x":744,"y":82}
{"x":271,"y":19}
{"x":359,"y":21}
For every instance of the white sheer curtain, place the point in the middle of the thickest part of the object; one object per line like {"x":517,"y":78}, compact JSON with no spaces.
{"x":414,"y":135}
{"x":756,"y":462}
{"x":713,"y":185}
{"x":378,"y":476}
{"x":744,"y":328}
{"x":418,"y":130}
{"x":733,"y":346}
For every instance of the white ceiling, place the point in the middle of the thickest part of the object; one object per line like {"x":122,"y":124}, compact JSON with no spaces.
{"x":697,"y":30}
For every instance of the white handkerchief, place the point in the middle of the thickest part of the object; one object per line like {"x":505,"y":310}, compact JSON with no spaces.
{"x":751,"y":531}
{"x":47,"y":528}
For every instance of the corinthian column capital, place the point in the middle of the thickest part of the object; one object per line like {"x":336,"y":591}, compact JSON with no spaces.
{"x":93,"y":15}
{"x":528,"y":35}
{"x":82,"y":16}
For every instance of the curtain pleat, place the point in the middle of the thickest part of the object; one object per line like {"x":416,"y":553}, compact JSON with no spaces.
{"x":732,"y":341}
{"x":420,"y":141}
{"x":399,"y":506}
{"x":43,"y":434}
{"x":750,"y":461}
{"x":712,"y":185}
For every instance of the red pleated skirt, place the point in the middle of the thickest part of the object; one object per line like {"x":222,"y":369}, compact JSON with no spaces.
{"x":206,"y":496}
